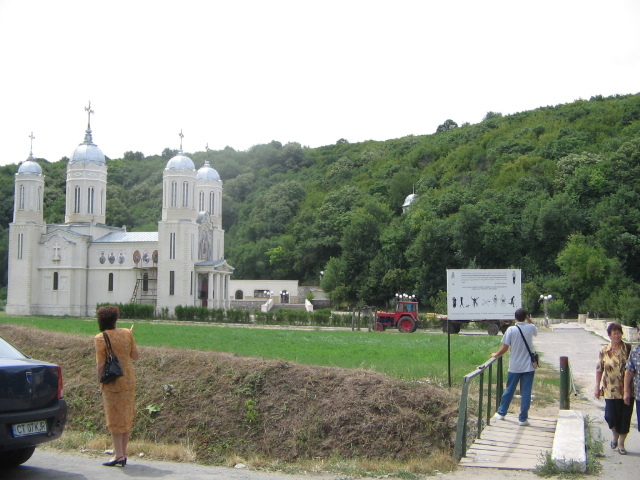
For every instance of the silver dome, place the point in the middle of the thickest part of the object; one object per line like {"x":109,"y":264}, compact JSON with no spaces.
{"x":207,"y":172}
{"x":87,"y":152}
{"x":409,"y":200}
{"x":180,"y":162}
{"x":30,"y":167}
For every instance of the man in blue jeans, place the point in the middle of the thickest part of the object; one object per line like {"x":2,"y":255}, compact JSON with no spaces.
{"x":521,"y":368}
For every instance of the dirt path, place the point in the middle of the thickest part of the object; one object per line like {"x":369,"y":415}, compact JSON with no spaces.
{"x":581,"y":346}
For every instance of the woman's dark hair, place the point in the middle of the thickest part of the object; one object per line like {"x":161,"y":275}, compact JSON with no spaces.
{"x":107,"y":317}
{"x":614,"y":326}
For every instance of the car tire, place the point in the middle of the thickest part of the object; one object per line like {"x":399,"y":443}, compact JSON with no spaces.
{"x":13,"y":458}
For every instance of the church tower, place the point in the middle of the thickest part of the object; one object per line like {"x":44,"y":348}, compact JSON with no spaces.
{"x":177,"y":232}
{"x":209,"y":194}
{"x":24,"y":235}
{"x":86,"y":182}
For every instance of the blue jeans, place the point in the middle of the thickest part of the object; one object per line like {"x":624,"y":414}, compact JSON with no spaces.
{"x":526,"y":385}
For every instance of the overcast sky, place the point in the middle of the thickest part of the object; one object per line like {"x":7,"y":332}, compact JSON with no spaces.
{"x":240,"y":73}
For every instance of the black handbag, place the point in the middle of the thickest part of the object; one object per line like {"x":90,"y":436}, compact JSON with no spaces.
{"x":112,"y":368}
{"x":535,"y":358}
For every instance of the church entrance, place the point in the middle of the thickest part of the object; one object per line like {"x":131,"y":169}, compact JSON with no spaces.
{"x":203,"y":289}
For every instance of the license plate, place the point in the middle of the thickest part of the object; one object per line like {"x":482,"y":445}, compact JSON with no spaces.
{"x":29,"y":428}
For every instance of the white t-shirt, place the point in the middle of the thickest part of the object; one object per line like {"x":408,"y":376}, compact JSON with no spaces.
{"x":519,"y":359}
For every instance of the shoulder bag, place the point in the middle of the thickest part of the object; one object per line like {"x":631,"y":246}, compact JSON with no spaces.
{"x":535,"y":358}
{"x":112,"y":368}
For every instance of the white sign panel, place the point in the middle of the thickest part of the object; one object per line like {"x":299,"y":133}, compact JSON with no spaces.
{"x":483,"y":294}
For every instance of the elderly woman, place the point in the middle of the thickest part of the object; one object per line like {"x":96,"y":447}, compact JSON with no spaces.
{"x":610,"y":373}
{"x":118,"y":396}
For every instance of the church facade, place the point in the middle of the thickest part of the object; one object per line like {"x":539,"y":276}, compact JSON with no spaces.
{"x":70,"y":268}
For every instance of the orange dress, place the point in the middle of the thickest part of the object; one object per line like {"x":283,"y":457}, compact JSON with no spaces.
{"x":118,"y":397}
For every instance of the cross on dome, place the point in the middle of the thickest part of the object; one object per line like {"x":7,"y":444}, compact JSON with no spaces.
{"x":31,"y":148}
{"x":88,"y":109}
{"x":181,"y":137}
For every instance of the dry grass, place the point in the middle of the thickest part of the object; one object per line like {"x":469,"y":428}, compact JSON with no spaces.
{"x":225,"y":409}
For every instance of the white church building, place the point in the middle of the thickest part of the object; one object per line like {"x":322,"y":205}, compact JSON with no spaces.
{"x":69,"y":268}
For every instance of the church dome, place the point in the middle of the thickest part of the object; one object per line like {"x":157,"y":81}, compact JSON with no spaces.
{"x":180,"y":162}
{"x":87,"y":152}
{"x":30,"y":167}
{"x":207,"y":172}
{"x":409,"y":200}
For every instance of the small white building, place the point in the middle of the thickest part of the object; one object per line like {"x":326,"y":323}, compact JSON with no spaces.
{"x":69,"y":268}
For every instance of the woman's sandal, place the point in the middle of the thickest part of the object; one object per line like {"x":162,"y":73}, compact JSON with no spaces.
{"x":622,"y":451}
{"x":614,"y":445}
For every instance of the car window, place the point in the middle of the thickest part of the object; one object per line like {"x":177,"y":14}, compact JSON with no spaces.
{"x":7,"y":351}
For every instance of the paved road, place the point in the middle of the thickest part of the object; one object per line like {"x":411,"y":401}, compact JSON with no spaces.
{"x":52,"y":465}
{"x":569,"y":340}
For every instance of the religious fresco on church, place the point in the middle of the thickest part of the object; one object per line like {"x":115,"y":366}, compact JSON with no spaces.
{"x":154,"y":256}
{"x":103,"y":257}
{"x":112,"y":258}
{"x":205,"y":243}
{"x":120,"y":257}
{"x":136,"y":257}
{"x":146,"y":258}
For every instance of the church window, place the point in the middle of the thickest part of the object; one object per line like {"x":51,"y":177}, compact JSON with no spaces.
{"x":174,"y":194}
{"x":212,"y":198}
{"x":55,"y":280}
{"x":239,"y":295}
{"x":76,"y":204}
{"x":145,"y":282}
{"x":39,"y":199}
{"x":185,"y":194}
{"x":20,"y":244}
{"x":172,"y":282}
{"x":111,"y":282}
{"x":201,"y":202}
{"x":21,"y":198}
{"x":172,"y":246}
{"x":90,"y":200}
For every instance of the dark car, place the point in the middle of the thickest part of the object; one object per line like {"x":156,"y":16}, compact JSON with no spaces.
{"x":32,"y":409}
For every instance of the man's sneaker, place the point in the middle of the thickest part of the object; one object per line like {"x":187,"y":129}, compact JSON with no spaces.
{"x":524,"y":424}
{"x":497,"y":416}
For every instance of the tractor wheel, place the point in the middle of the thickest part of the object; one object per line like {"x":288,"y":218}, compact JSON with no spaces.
{"x":503,"y":328}
{"x":407,"y":324}
{"x":493,"y":329}
{"x":380,"y":327}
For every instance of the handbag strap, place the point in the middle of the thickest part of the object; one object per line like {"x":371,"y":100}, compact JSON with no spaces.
{"x":524,"y":340}
{"x":108,"y":342}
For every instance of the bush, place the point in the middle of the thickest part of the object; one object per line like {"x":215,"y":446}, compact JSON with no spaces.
{"x":132,"y":310}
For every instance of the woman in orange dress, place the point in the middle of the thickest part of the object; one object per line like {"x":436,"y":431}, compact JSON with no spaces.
{"x":118,"y":397}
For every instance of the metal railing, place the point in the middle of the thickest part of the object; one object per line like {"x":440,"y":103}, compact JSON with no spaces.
{"x":460,"y":448}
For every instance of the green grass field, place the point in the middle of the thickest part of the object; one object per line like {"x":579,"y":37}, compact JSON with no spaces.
{"x":418,"y":356}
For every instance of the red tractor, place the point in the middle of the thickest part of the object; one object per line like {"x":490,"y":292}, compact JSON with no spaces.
{"x":405,"y":318}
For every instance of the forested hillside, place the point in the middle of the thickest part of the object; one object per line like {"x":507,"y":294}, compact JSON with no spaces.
{"x":553,"y":191}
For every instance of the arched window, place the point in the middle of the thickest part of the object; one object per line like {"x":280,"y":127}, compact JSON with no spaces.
{"x":76,"y":202}
{"x":201,"y":202}
{"x":39,"y":199}
{"x":21,"y":198}
{"x":185,"y":194}
{"x":212,"y":203}
{"x":55,"y":280}
{"x":90,"y":200}
{"x":174,"y":194}
{"x":111,"y":282}
{"x":239,"y":295}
